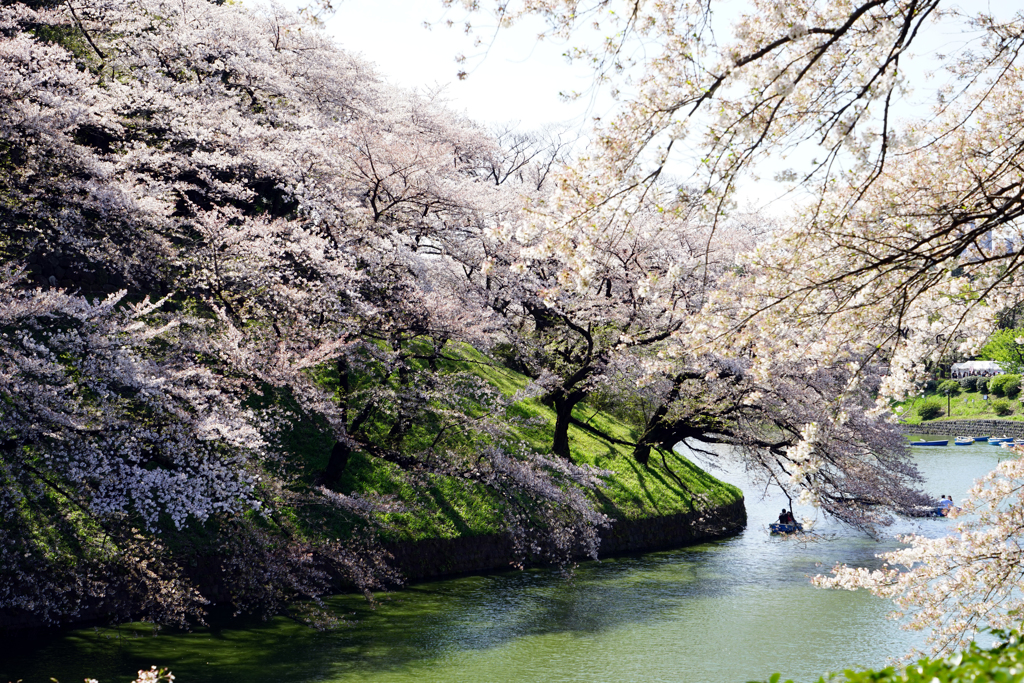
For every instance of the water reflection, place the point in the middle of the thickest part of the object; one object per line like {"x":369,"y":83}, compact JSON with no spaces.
{"x":729,"y":611}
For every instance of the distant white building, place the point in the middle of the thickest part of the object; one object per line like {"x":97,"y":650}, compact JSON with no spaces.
{"x":976,"y":367}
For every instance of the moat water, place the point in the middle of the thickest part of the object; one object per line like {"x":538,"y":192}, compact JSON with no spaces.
{"x":725,"y":612}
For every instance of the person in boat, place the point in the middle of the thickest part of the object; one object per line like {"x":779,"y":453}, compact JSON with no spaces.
{"x":945,"y":505}
{"x":786,"y":517}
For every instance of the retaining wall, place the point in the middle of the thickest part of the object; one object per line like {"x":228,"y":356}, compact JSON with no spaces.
{"x":438,"y":557}
{"x":968,"y":428}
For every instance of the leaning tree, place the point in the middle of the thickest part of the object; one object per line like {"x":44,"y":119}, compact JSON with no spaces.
{"x":903,"y":244}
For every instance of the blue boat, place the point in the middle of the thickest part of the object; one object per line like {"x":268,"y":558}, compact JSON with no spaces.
{"x":779,"y":528}
{"x":963,"y":441}
{"x":996,"y":440}
{"x":930,"y":443}
{"x":981,"y":438}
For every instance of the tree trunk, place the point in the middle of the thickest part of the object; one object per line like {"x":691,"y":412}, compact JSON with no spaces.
{"x":642,"y":453}
{"x":340,"y":452}
{"x":336,"y":465}
{"x":563,"y":405}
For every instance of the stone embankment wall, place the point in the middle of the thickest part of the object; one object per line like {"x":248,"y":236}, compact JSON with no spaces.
{"x":439,"y":557}
{"x":434,"y":558}
{"x":968,"y":428}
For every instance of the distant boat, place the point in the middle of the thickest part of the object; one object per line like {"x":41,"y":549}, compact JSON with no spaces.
{"x":981,"y":438}
{"x":996,"y":440}
{"x":964,"y":440}
{"x":924,"y":511}
{"x":780,"y":528}
{"x":929,"y":443}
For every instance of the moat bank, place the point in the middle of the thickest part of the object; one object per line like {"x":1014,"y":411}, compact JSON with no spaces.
{"x":730,"y":610}
{"x":435,"y":558}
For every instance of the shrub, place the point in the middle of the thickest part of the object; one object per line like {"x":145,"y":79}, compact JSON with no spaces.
{"x":969,"y":383}
{"x":929,"y":410}
{"x":982,"y":385}
{"x":949,"y":388}
{"x":930,"y":385}
{"x":1001,"y":407}
{"x":973,"y":664}
{"x":1005,"y":385}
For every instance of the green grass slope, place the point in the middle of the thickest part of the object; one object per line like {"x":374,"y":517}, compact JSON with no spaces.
{"x":967,"y":406}
{"x":446,"y":507}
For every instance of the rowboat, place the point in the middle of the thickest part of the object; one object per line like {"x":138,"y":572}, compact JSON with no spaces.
{"x":964,"y":440}
{"x":779,"y":528}
{"x":996,"y":440}
{"x":929,"y":443}
{"x":981,"y":438}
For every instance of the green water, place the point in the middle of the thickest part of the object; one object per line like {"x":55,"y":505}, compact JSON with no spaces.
{"x":729,"y":611}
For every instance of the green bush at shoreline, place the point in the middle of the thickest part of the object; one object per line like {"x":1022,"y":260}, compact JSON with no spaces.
{"x":1003,"y":662}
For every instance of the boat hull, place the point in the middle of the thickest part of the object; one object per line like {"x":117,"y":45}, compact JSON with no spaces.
{"x":930,"y":443}
{"x":780,"y":529}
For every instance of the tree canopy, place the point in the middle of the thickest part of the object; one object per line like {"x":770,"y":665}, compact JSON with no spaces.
{"x":1003,"y":346}
{"x":903,"y":243}
{"x":220,"y":224}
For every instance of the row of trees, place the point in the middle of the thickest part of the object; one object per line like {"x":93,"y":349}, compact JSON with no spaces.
{"x":217,"y":224}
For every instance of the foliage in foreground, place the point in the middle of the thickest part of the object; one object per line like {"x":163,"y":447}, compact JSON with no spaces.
{"x":1002,"y":663}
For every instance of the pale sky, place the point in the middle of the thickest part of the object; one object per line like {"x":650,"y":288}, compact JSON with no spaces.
{"x":519,"y":79}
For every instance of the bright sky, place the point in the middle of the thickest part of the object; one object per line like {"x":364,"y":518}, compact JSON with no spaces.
{"x":519,"y":79}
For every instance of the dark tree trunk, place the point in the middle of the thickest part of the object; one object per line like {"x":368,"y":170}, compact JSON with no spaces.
{"x":642,"y":453}
{"x":655,"y":431}
{"x":341,"y":452}
{"x":336,"y":465}
{"x":563,"y":404}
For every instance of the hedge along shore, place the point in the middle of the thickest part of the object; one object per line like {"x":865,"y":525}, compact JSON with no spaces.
{"x":1012,"y":428}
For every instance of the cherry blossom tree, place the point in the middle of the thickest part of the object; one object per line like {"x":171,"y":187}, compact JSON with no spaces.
{"x":210,"y":209}
{"x":958,"y":584}
{"x":903,"y":243}
{"x":905,"y":209}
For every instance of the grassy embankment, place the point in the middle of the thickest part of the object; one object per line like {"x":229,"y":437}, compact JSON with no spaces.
{"x":969,"y":405}
{"x":451,"y":507}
